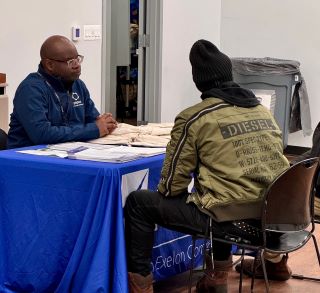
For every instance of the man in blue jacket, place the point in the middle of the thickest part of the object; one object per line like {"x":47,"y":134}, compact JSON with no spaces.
{"x":53,"y":105}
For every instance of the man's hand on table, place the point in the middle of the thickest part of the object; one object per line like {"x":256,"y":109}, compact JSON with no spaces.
{"x":106,"y":124}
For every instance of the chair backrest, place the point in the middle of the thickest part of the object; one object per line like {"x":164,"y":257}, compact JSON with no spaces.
{"x":288,"y":202}
{"x":3,"y":139}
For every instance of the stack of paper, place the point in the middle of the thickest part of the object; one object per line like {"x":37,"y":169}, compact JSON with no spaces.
{"x":116,"y":154}
{"x":73,"y":146}
{"x":46,"y":152}
{"x":150,"y":140}
{"x":151,"y":135}
{"x":102,"y":153}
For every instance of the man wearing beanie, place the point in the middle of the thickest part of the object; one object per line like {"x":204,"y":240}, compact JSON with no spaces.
{"x":219,"y":142}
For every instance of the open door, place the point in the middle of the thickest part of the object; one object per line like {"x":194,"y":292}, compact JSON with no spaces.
{"x":131,"y":57}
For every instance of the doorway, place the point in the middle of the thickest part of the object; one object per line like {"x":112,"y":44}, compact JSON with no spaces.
{"x":127,"y":76}
{"x":131,"y":56}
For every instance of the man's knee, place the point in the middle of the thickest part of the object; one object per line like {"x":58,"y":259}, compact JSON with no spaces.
{"x":141,"y":199}
{"x":131,"y":202}
{"x":136,"y":197}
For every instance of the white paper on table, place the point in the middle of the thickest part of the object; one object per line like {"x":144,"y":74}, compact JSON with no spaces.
{"x":69,"y":146}
{"x":46,"y":152}
{"x":102,"y":156}
{"x":117,"y":154}
{"x":140,"y":151}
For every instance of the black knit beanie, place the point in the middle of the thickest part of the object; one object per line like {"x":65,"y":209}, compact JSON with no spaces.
{"x":210,"y":67}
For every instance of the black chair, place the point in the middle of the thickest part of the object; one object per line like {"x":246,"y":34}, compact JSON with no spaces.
{"x":288,"y":212}
{"x":3,"y":140}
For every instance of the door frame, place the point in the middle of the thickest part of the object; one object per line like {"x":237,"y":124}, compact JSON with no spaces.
{"x":108,"y":104}
{"x":151,"y":111}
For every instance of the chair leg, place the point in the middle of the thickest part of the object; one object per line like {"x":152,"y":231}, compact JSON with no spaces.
{"x":192,"y":263}
{"x":241,"y":270}
{"x":264,"y":271}
{"x":256,"y":258}
{"x":259,"y":256}
{"x":316,"y":247}
{"x":204,"y":254}
{"x":211,"y":241}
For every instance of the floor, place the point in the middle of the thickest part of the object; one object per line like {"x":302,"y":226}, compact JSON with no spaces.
{"x":303,"y":261}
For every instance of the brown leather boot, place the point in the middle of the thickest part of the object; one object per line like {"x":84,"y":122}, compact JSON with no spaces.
{"x":279,"y":271}
{"x":140,"y":284}
{"x":215,"y":280}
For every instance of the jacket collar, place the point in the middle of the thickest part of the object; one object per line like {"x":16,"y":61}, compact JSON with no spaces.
{"x":55,"y":82}
{"x":233,"y":94}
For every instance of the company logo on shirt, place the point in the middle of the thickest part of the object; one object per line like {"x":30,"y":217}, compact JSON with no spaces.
{"x":76,"y":100}
{"x":248,"y":126}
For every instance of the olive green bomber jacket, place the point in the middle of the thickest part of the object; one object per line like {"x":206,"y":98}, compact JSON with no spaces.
{"x":233,"y":154}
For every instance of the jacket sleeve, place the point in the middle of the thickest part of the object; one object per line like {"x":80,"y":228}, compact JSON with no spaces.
{"x":32,"y":107}
{"x":180,"y":161}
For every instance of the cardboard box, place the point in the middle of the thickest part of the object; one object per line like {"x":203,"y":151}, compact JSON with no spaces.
{"x":2,"y":78}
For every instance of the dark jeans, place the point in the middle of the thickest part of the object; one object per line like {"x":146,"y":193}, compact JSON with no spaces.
{"x":146,"y":208}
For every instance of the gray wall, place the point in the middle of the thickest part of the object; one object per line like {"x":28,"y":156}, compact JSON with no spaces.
{"x":283,"y":29}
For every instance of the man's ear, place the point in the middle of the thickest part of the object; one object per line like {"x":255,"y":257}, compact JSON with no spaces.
{"x":48,"y":65}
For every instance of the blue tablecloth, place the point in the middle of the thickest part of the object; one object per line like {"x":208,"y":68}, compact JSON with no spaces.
{"x":62,"y":225}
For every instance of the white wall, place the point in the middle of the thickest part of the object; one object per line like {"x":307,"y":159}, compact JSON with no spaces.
{"x":184,"y":22}
{"x":283,"y":29}
{"x":26,"y":24}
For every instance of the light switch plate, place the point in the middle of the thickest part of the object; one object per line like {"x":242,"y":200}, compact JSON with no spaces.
{"x":91,"y":32}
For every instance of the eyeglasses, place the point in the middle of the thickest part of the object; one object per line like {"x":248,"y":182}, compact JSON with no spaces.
{"x":71,"y":62}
